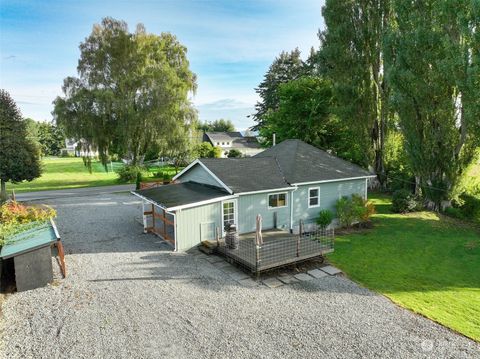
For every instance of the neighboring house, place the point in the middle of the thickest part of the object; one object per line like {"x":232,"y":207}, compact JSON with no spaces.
{"x":73,"y":148}
{"x":289,"y":182}
{"x":247,"y":145}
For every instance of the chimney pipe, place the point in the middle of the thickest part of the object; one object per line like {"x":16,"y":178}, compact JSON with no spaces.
{"x":274,"y":140}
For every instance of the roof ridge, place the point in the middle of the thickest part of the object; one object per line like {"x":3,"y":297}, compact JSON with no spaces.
{"x":280,"y":169}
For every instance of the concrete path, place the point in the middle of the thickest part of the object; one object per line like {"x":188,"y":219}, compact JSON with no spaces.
{"x":73,"y":192}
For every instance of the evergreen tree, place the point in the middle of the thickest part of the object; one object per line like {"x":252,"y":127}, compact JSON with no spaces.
{"x":19,"y":159}
{"x":286,"y":67}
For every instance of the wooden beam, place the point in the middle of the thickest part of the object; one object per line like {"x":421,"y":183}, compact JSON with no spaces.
{"x":61,"y":256}
{"x":163,"y":219}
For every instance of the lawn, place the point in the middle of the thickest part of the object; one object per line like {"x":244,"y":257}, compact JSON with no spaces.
{"x":423,"y":261}
{"x":68,"y":172}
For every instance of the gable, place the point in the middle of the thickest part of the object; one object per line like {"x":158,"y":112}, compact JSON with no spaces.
{"x":198,"y":174}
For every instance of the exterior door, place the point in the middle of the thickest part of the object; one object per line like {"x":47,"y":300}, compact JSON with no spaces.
{"x":229,"y":213}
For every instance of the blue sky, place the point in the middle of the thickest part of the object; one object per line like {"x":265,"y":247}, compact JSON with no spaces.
{"x":230,"y":45}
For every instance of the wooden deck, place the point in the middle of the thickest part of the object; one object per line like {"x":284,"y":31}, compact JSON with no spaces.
{"x":279,"y":248}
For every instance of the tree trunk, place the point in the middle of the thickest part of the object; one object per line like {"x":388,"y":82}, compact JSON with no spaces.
{"x":3,"y":194}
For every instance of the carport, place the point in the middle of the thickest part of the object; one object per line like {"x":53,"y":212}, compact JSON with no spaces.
{"x":181,"y":212}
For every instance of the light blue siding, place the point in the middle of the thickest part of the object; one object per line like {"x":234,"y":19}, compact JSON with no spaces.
{"x":197,"y":224}
{"x":252,"y":204}
{"x":198,"y":174}
{"x":329,"y":194}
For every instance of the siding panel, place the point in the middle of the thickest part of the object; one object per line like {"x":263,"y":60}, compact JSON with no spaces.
{"x":251,"y":205}
{"x":198,"y":174}
{"x":329,"y":194}
{"x":191,"y":221}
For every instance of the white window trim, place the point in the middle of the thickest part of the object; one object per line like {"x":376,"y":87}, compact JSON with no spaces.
{"x":277,"y":193}
{"x":235,"y":214}
{"x":318,"y":197}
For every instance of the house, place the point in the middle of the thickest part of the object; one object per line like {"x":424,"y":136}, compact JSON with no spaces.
{"x":286,"y":183}
{"x":247,"y":145}
{"x":74,"y":148}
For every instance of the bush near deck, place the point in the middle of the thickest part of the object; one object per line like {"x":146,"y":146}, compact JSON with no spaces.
{"x":423,"y":261}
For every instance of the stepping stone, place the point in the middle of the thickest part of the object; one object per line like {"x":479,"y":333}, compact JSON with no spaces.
{"x":287,"y":279}
{"x":215,"y":259}
{"x":236,"y":274}
{"x":303,"y":277}
{"x":248,"y":282}
{"x":222,"y":264}
{"x":317,"y":273}
{"x":272,"y":282}
{"x":331,"y":270}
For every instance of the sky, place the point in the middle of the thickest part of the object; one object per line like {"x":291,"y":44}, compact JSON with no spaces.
{"x":230,"y":45}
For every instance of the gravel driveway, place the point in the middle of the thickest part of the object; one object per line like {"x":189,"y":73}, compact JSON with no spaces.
{"x":128,"y":296}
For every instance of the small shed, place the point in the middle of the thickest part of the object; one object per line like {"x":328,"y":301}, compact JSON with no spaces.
{"x":31,"y":251}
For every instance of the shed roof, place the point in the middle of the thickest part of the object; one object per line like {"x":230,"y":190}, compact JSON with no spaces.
{"x":180,"y":194}
{"x":247,"y":174}
{"x":301,"y":162}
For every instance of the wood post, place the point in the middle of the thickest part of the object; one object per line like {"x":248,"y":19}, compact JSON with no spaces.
{"x":153,"y":217}
{"x":164,"y":224}
{"x":61,"y":256}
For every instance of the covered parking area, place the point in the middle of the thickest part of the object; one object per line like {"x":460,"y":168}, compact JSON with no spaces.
{"x":180,"y":212}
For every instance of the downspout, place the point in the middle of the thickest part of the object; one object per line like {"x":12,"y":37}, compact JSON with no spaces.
{"x":291,"y":209}
{"x":174,"y":214}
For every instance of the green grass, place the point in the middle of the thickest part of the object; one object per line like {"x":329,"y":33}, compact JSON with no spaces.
{"x":422,"y":261}
{"x":69,"y":172}
{"x":65,"y":173}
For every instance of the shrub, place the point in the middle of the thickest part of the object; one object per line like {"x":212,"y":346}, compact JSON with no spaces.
{"x":13,"y":217}
{"x":234,"y":153}
{"x":325,"y":217}
{"x":345,"y":212}
{"x":454,"y":212}
{"x":404,"y":201}
{"x":138,"y":180}
{"x":362,"y":208}
{"x":471,"y":206}
{"x":128,"y":173}
{"x":354,"y":209}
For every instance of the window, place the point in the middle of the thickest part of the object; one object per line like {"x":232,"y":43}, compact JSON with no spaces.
{"x":223,"y":143}
{"x":277,"y":200}
{"x":314,"y":197}
{"x":218,"y":143}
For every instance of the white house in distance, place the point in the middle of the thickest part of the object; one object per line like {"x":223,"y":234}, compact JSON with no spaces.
{"x":247,"y":145}
{"x":72,"y":147}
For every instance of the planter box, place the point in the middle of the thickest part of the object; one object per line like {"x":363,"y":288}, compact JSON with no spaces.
{"x":31,"y":251}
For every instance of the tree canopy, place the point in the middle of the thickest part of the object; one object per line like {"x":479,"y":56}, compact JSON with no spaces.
{"x":434,"y":48}
{"x":286,"y":67}
{"x":19,"y":160}
{"x":132,"y":91}
{"x":220,"y":125}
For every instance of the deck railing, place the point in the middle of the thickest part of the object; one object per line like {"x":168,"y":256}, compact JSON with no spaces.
{"x":280,"y":249}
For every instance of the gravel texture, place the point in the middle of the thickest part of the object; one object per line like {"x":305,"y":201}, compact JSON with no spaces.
{"x":128,"y":296}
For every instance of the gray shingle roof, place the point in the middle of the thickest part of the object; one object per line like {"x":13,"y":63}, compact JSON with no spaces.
{"x":247,"y":174}
{"x":301,"y":162}
{"x":235,"y":139}
{"x":178,"y":194}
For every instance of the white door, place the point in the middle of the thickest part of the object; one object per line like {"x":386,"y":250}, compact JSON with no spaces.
{"x":229,"y":213}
